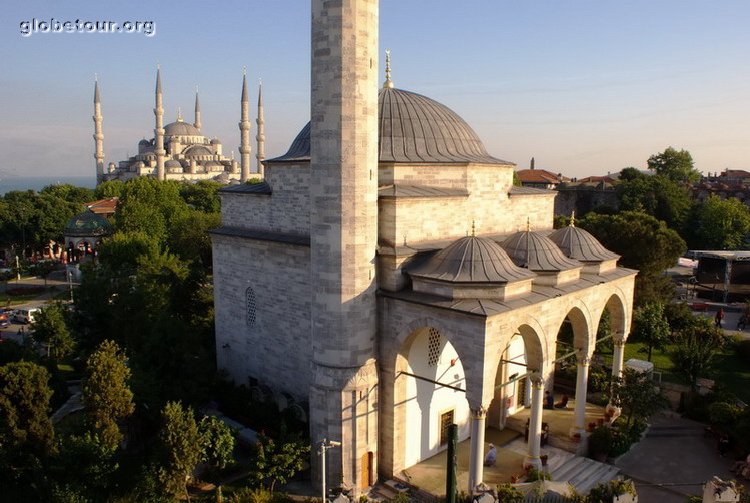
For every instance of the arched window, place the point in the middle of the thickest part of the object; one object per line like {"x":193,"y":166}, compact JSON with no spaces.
{"x":250,"y":306}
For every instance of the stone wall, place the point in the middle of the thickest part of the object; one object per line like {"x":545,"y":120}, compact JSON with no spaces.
{"x":287,"y":210}
{"x":275,"y":348}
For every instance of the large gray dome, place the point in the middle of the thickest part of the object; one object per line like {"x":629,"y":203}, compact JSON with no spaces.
{"x":471,"y":260}
{"x":537,"y":253}
{"x":181,"y":128}
{"x":579,"y":244}
{"x":413,"y":129}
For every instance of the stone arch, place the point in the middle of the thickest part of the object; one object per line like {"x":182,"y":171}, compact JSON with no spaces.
{"x":414,"y":434}
{"x":581,"y":323}
{"x":618,"y":314}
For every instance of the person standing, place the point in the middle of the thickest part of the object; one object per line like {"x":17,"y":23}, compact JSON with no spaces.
{"x":719,"y":317}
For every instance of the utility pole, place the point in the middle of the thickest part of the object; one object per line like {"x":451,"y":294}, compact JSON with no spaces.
{"x":325,"y":444}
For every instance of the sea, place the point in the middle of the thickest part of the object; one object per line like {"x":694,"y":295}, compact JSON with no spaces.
{"x":10,"y":183}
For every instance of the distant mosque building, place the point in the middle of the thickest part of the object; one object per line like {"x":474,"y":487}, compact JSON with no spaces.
{"x":180,"y":150}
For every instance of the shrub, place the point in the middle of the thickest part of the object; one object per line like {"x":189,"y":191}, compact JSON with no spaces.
{"x":723,"y":413}
{"x":508,"y":493}
{"x":604,"y":492}
{"x":600,"y":441}
{"x":535,"y":474}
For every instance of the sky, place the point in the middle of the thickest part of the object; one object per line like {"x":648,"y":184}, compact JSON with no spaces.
{"x":584,"y":87}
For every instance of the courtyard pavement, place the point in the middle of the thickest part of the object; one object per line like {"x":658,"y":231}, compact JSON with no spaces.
{"x":673,"y":460}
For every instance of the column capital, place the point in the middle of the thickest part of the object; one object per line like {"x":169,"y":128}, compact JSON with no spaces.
{"x":618,"y":339}
{"x":479,"y":412}
{"x":583,"y":358}
{"x":537,"y":380}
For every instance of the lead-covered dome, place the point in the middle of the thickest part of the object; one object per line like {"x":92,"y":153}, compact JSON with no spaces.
{"x":579,"y":244}
{"x":413,"y":129}
{"x":537,"y":253}
{"x":87,"y":224}
{"x":471,"y":260}
{"x":181,"y":128}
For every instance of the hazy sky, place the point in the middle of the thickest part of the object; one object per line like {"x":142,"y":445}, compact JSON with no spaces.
{"x":585,"y":87}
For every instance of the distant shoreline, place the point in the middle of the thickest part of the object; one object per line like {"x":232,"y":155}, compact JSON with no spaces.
{"x":37,"y":183}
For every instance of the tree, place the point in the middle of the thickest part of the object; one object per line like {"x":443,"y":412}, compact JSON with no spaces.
{"x":182,"y":445}
{"x":694,"y":352}
{"x":24,"y":405}
{"x":218,"y":440}
{"x":656,"y":195}
{"x":644,"y":243}
{"x":106,"y":395}
{"x":675,"y":165}
{"x":636,"y":395}
{"x":49,"y":327}
{"x":84,"y":466}
{"x":277,"y":463}
{"x":110,"y":188}
{"x":650,"y":326}
{"x":720,"y":224}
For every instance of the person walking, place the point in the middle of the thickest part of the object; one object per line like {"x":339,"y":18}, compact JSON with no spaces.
{"x":719,"y":317}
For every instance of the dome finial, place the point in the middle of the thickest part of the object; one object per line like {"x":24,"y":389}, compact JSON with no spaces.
{"x":388,"y":84}
{"x":528,"y":224}
{"x":573,"y":218}
{"x":179,"y":114}
{"x":473,"y":229}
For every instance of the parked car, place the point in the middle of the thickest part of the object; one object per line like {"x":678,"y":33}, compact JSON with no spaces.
{"x":4,"y":323}
{"x":25,"y":315}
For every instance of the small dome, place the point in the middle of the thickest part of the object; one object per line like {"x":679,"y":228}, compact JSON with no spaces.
{"x":181,"y":128}
{"x":87,"y":224}
{"x":413,"y":129}
{"x":198,"y":150}
{"x":215,"y":141}
{"x":537,"y":253}
{"x":471,"y":260}
{"x":144,"y":143}
{"x":579,"y":244}
{"x":172,"y":163}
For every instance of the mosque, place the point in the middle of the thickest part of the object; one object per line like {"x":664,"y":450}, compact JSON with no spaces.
{"x":388,"y":274}
{"x":180,"y":151}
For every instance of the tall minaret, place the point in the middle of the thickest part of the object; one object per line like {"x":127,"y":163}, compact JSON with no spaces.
{"x":343,"y":235}
{"x":159,"y":128}
{"x":98,"y":133}
{"x":245,"y":148}
{"x":260,"y":136}
{"x":197,"y":122}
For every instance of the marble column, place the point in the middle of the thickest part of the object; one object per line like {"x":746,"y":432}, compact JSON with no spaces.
{"x":582,"y":380}
{"x":618,"y":341}
{"x":476,"y":456}
{"x":535,"y":422}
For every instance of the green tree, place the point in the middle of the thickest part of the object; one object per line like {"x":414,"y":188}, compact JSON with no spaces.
{"x":277,"y":462}
{"x":644,"y":243}
{"x":650,"y":326}
{"x":69,"y":193}
{"x":106,"y":395}
{"x":218,"y":440}
{"x":202,"y":195}
{"x":85,"y":465}
{"x":149,"y":205}
{"x":694,"y":352}
{"x":636,"y":395}
{"x":49,"y":327}
{"x":675,"y":165}
{"x":110,"y":188}
{"x":720,"y":224}
{"x":24,"y":405}
{"x":183,"y":448}
{"x":656,"y":195}
{"x":188,"y":236}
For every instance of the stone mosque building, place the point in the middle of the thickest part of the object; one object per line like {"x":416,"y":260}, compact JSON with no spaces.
{"x":388,"y":274}
{"x":180,"y":151}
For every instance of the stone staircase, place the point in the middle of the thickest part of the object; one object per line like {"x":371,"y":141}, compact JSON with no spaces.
{"x":563,"y":466}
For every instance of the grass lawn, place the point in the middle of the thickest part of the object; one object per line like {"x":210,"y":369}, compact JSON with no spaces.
{"x":730,"y":370}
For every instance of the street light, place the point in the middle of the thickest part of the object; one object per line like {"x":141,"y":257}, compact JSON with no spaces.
{"x":325,"y":444}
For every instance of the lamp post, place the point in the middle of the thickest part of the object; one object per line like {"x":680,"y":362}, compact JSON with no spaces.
{"x":325,"y":444}
{"x":18,"y":270}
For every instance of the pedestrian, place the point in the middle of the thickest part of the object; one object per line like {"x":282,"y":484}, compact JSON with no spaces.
{"x":549,"y":400}
{"x":491,"y":457}
{"x":742,"y":322}
{"x":719,"y":317}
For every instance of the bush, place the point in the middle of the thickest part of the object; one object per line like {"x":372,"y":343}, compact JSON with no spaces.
{"x":601,"y":441}
{"x":723,"y":413}
{"x":604,"y":492}
{"x":508,"y":493}
{"x":535,"y":474}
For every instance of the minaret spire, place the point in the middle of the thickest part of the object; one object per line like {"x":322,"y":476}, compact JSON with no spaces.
{"x":260,"y":136}
{"x":245,"y":148}
{"x":98,"y":133}
{"x":388,"y":84}
{"x":197,"y":122}
{"x":159,"y":127}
